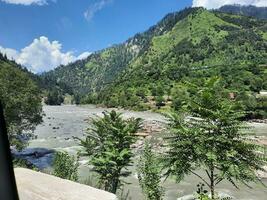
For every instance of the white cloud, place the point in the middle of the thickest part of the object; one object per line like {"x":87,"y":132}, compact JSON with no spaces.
{"x":94,"y":8}
{"x":218,"y":3}
{"x":26,"y":2}
{"x":84,"y":55}
{"x":10,"y":53}
{"x":42,"y":55}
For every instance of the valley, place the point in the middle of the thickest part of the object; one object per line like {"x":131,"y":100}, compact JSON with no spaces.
{"x":186,"y":97}
{"x":70,"y":120}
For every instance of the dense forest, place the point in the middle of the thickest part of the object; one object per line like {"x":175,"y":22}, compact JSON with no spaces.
{"x":21,"y":100}
{"x":202,"y":44}
{"x":253,"y":11}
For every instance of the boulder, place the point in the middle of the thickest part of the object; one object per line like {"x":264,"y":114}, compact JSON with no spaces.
{"x":34,"y":185}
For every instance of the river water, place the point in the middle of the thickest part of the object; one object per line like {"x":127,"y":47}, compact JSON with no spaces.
{"x":61,"y":123}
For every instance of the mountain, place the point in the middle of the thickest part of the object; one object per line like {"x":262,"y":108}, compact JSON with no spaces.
{"x":253,"y":11}
{"x":103,"y":67}
{"x":186,"y":46}
{"x":203,"y":44}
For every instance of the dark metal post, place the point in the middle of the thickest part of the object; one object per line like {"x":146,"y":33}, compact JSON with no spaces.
{"x":8,"y":189}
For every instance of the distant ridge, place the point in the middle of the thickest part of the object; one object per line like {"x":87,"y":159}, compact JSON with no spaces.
{"x":253,"y":11}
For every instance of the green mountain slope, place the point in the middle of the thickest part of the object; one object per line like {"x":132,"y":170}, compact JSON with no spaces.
{"x":103,"y":67}
{"x":253,"y":11}
{"x":186,"y":46}
{"x":202,"y":45}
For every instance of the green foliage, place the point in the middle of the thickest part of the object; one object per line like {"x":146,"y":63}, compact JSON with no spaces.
{"x":180,"y":96}
{"x":212,"y":139}
{"x":92,"y":180}
{"x":66,"y":166}
{"x":258,"y":12}
{"x":202,"y":44}
{"x":160,"y":101}
{"x":149,"y":174}
{"x":202,"y":194}
{"x":185,"y":46}
{"x":21,"y":100}
{"x":54,"y":97}
{"x":18,"y":162}
{"x":108,"y":145}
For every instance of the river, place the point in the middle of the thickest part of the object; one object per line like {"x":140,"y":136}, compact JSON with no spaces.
{"x":61,"y":123}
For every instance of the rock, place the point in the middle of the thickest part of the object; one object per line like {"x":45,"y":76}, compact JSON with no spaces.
{"x":39,"y":186}
{"x":187,"y":197}
{"x":262,"y":174}
{"x":192,"y":197}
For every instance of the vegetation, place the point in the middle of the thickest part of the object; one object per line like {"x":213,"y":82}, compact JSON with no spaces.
{"x":186,"y":46}
{"x":201,"y":45}
{"x":54,"y":97}
{"x":212,"y":139}
{"x":252,"y":11}
{"x":149,"y":174}
{"x":108,"y":145}
{"x":65,"y":166}
{"x":21,"y":101}
{"x":18,"y":162}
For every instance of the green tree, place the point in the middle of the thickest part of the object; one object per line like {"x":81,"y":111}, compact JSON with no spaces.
{"x":157,"y":90}
{"x":21,"y":101}
{"x":149,"y":174}
{"x":212,"y":139}
{"x":66,"y":166}
{"x":108,"y":144}
{"x":180,"y":97}
{"x":160,"y":101}
{"x":54,"y":97}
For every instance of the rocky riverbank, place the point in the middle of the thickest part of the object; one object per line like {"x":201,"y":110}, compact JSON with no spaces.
{"x":264,"y":121}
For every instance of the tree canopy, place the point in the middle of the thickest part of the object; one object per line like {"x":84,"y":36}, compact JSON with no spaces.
{"x":107,"y":143}
{"x":21,"y":101}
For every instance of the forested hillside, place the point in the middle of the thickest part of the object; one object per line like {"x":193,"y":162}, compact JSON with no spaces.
{"x":103,"y":67}
{"x":253,"y":11}
{"x":151,"y":68}
{"x":21,"y":100}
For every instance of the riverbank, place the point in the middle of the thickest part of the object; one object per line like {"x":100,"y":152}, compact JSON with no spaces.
{"x":72,"y":121}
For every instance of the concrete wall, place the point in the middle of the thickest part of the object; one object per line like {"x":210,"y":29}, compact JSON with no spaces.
{"x":39,"y":186}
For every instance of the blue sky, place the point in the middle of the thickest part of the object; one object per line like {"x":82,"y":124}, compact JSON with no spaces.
{"x":42,"y":34}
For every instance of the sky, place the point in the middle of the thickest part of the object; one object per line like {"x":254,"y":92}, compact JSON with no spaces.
{"x":42,"y":34}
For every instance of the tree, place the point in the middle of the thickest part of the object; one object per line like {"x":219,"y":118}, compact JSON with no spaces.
{"x":157,"y":90}
{"x":212,"y":139}
{"x":21,"y":101}
{"x":160,"y":101}
{"x":54,"y":97}
{"x":108,"y":144}
{"x":180,"y":97}
{"x":149,"y":174}
{"x":65,"y":166}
